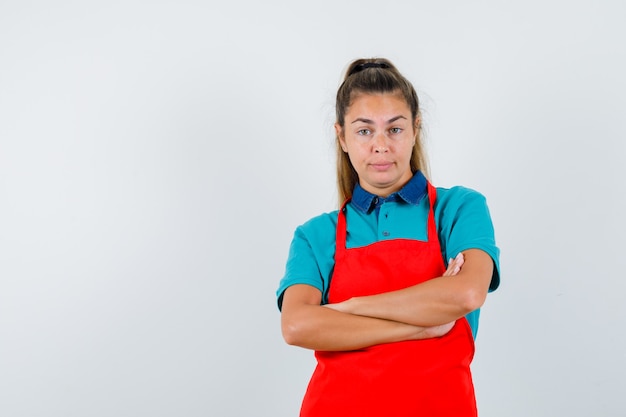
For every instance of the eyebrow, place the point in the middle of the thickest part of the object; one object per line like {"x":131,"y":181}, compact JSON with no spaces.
{"x":393,"y":119}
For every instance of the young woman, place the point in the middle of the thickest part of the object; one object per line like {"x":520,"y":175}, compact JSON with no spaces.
{"x":368,"y":286}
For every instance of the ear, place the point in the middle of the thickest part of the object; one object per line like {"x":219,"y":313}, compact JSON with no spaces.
{"x":417,"y":123}
{"x":341,"y":137}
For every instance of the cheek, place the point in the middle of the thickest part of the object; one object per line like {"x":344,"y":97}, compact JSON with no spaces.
{"x":355,"y":151}
{"x":406,"y":150}
{"x":354,"y":158}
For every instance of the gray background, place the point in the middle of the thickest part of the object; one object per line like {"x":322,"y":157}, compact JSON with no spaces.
{"x":155,"y":158}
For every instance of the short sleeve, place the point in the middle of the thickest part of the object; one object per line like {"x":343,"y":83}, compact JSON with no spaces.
{"x":464,"y":222}
{"x":311,"y":256}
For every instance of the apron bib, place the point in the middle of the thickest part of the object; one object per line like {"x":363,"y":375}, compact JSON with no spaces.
{"x":411,"y":378}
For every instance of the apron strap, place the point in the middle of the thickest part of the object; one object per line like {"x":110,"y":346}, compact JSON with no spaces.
{"x":342,"y":230}
{"x":432,"y":227}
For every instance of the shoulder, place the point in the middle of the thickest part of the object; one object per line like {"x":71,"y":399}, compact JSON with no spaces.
{"x":321,"y":222}
{"x":458,"y":195}
{"x":458,"y":200}
{"x":461,"y":204}
{"x":318,"y":230}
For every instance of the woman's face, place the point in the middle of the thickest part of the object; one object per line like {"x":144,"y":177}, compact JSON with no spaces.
{"x":379,"y":135}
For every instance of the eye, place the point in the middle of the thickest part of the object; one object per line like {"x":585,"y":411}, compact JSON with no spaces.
{"x":363,"y":132}
{"x":395,"y":130}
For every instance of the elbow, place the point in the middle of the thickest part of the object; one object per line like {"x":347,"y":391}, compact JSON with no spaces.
{"x":292,"y":332}
{"x":473,"y":299}
{"x":290,"y":335}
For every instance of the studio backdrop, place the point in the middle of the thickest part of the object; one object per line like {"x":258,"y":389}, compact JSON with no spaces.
{"x":156,"y":158}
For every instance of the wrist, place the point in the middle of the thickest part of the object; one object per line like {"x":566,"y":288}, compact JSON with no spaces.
{"x":353,"y":306}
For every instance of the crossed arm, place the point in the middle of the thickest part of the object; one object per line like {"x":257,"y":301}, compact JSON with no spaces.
{"x":419,"y":312}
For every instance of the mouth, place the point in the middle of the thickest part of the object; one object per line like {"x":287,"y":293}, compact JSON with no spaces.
{"x":381,"y":166}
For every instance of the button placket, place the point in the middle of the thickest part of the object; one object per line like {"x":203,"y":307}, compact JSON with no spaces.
{"x":383,"y":222}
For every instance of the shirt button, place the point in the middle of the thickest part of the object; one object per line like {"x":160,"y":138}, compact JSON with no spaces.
{"x":375,"y":200}
{"x":386,"y":233}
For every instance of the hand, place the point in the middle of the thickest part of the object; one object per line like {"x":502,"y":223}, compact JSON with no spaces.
{"x":437,"y":331}
{"x":341,"y":307}
{"x":454,"y":265}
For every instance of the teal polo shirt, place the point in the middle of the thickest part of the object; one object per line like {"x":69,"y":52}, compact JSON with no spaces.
{"x":461,"y":215}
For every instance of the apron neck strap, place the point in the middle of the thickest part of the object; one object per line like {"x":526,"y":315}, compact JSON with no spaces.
{"x":342,"y":230}
{"x":432,"y":227}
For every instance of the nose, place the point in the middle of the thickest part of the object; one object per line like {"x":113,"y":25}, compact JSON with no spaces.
{"x":380,"y":143}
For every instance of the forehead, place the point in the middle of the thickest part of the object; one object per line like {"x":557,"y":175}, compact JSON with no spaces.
{"x":375,"y":105}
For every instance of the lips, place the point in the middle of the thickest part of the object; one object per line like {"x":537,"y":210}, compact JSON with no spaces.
{"x":381,"y":166}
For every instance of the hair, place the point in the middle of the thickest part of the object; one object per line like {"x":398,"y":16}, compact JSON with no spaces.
{"x":373,"y":76}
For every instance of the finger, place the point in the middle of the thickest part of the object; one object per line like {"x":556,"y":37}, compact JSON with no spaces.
{"x":450,"y":269}
{"x":459,"y":260}
{"x":453,"y":267}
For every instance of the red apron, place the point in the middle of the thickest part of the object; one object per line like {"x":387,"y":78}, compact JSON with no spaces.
{"x":412,"y":378}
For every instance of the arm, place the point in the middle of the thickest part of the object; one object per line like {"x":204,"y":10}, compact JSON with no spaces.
{"x":307,"y":324}
{"x":434,"y":302}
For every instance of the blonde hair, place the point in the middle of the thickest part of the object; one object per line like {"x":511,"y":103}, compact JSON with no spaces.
{"x":368,"y":76}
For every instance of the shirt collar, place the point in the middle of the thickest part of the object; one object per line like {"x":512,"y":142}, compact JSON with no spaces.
{"x":412,"y":193}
